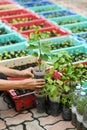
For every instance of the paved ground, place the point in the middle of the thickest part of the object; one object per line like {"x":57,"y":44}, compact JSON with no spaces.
{"x":30,"y":119}
{"x":79,"y":6}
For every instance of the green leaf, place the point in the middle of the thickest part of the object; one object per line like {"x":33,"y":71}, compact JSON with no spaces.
{"x":32,"y":46}
{"x":66,"y":88}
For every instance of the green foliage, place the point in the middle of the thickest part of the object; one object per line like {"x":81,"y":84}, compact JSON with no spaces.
{"x":41,"y":49}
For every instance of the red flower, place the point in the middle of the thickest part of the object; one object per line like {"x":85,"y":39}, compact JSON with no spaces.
{"x":56,"y":75}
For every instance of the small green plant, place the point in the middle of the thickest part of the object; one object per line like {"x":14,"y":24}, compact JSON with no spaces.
{"x":41,"y":49}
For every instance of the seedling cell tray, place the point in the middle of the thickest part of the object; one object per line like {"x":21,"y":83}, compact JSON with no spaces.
{"x":14,"y":12}
{"x":69,"y":20}
{"x":35,"y":4}
{"x":12,"y":41}
{"x":54,"y":31}
{"x":21,"y":18}
{"x":24,"y":27}
{"x":57,"y":13}
{"x":46,"y":8}
{"x":82,"y":37}
{"x":76,"y":28}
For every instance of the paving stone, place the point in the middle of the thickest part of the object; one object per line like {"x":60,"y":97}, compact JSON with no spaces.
{"x":33,"y":126}
{"x":62,"y":125}
{"x":2,"y":124}
{"x":49,"y":120}
{"x":19,"y":127}
{"x":19,"y":119}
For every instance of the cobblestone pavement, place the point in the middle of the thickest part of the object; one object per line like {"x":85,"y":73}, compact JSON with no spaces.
{"x":29,"y":119}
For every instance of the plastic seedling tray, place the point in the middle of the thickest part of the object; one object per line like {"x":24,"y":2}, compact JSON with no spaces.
{"x":5,"y":2}
{"x":82,"y":37}
{"x":22,"y":101}
{"x":41,"y":23}
{"x":21,"y":18}
{"x":76,"y":28}
{"x":79,"y":53}
{"x":69,"y":20}
{"x":9,"y":7}
{"x":57,"y":13}
{"x":12,"y":42}
{"x":46,"y":8}
{"x":35,"y":4}
{"x":59,"y":43}
{"x":54,"y":31}
{"x":14,"y":12}
{"x":63,"y":42}
{"x":5,"y":30}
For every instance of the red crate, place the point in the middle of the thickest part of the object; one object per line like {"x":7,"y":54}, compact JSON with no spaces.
{"x":5,"y":2}
{"x":21,"y":102}
{"x":40,"y":22}
{"x":14,"y":12}
{"x":49,"y":29}
{"x":31,"y":16}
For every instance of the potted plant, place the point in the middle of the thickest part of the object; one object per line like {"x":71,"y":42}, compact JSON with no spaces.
{"x":54,"y":92}
{"x":41,"y":52}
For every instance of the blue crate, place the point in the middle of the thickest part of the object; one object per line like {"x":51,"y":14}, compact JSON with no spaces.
{"x":35,"y":4}
{"x":82,"y":36}
{"x":21,"y":42}
{"x":61,"y":13}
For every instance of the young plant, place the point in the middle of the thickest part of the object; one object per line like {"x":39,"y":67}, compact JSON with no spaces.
{"x":41,"y":50}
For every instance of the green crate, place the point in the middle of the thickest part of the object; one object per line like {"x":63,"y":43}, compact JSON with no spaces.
{"x":59,"y":42}
{"x":69,"y":20}
{"x":84,"y":86}
{"x":73,"y":51}
{"x":6,"y":30}
{"x":76,"y":28}
{"x":46,"y":8}
{"x":21,"y":42}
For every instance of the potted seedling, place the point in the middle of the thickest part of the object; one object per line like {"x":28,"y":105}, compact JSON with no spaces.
{"x":42,"y":51}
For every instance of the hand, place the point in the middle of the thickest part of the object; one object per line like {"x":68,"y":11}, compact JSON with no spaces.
{"x":27,"y":73}
{"x":33,"y":84}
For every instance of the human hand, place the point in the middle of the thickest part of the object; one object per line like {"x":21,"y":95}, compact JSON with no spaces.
{"x":33,"y":84}
{"x":28,"y":73}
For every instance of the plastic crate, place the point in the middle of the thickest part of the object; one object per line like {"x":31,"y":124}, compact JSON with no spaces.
{"x":18,"y":61}
{"x":7,"y":30}
{"x":82,"y":37}
{"x":73,"y":50}
{"x":23,"y":101}
{"x":76,"y":28}
{"x":14,"y":12}
{"x":57,"y":13}
{"x":35,"y":4}
{"x":41,"y":23}
{"x":20,"y":18}
{"x":9,"y":7}
{"x":5,"y":2}
{"x":60,"y":41}
{"x":46,"y":8}
{"x":69,"y":20}
{"x":20,"y":41}
{"x":59,"y":31}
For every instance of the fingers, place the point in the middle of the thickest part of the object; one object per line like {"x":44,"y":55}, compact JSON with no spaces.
{"x":39,"y":87}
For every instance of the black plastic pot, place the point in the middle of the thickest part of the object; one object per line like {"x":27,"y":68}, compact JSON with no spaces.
{"x":53,"y":107}
{"x":39,"y":72}
{"x":40,"y":103}
{"x":66,"y":113}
